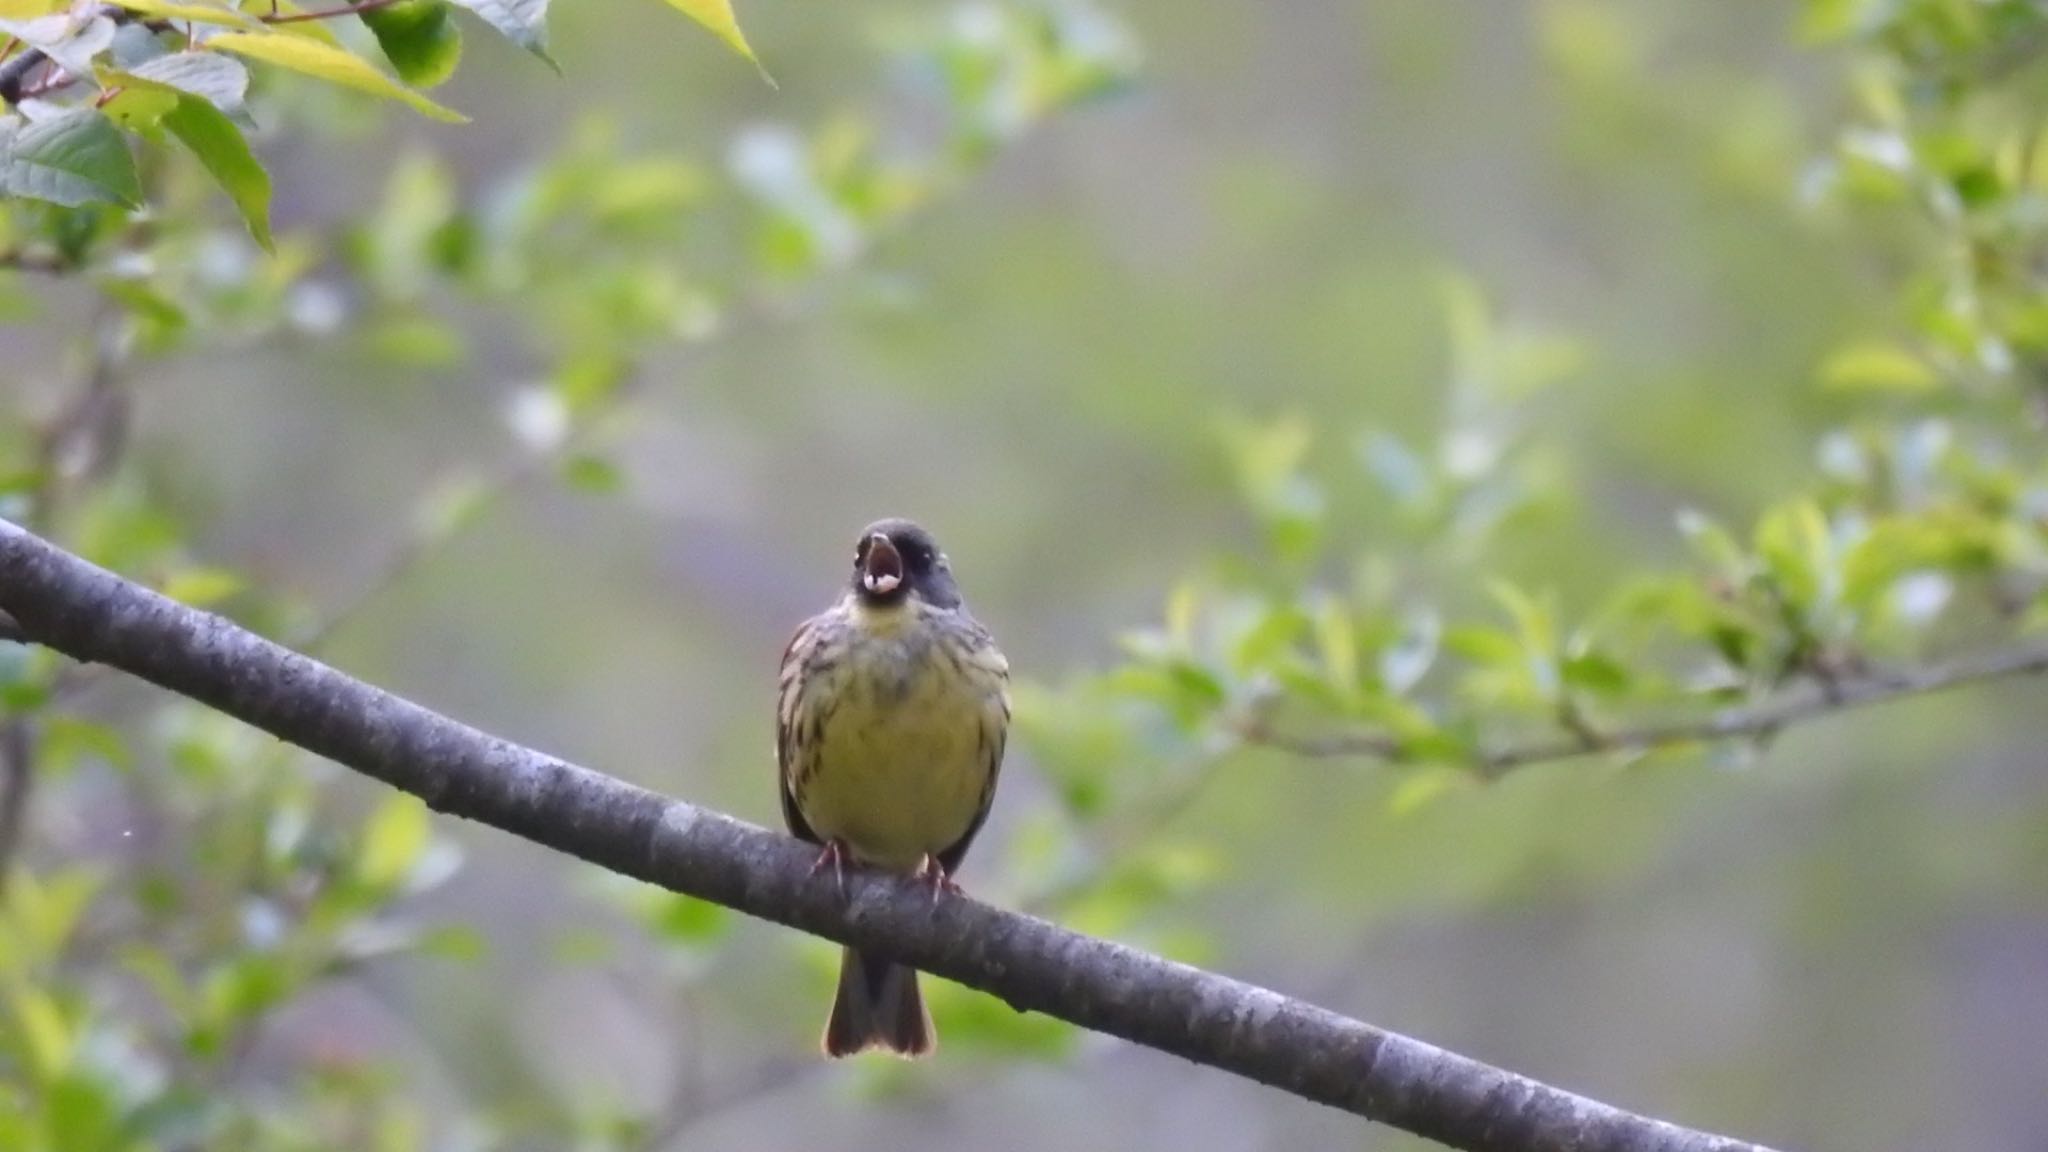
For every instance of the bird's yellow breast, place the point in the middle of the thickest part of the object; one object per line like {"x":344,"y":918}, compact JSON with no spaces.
{"x":904,"y":749}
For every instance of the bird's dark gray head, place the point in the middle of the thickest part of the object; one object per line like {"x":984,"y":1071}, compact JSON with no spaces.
{"x":896,"y":559}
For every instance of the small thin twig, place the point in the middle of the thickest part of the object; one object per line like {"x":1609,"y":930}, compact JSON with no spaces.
{"x":1756,"y":721}
{"x":275,"y":17}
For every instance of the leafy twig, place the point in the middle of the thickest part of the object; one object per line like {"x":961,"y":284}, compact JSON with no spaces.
{"x":1755,"y":721}
{"x":14,"y":73}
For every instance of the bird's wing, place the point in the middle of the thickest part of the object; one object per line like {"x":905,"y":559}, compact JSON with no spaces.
{"x":984,"y":656}
{"x":788,"y":703}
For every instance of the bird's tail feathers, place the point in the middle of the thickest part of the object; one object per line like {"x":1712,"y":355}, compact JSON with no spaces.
{"x":878,"y":1006}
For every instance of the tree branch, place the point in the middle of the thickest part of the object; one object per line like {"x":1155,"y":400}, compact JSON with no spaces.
{"x":1756,"y":721}
{"x":90,"y":614}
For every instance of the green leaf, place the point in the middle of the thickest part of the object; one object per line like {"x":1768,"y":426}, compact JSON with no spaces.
{"x":689,"y":920}
{"x":46,"y":1039}
{"x":138,"y":108}
{"x":329,"y":63}
{"x":1536,"y":630}
{"x":190,"y":13}
{"x":1794,"y":544}
{"x":245,"y":987}
{"x":68,"y":740}
{"x":82,"y":1112}
{"x":393,"y":840}
{"x":144,"y":303}
{"x":42,"y":915}
{"x":203,"y":587}
{"x":717,"y":16}
{"x":1337,"y":640}
{"x":416,"y":338}
{"x":420,"y":39}
{"x":978,"y":1022}
{"x":457,"y":942}
{"x":74,"y":158}
{"x":1420,"y":786}
{"x":592,"y":474}
{"x":524,"y":22}
{"x":1596,"y":672}
{"x":218,"y":145}
{"x":1875,"y":366}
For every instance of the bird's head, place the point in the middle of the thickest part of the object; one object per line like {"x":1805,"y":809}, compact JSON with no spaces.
{"x":896,"y":560}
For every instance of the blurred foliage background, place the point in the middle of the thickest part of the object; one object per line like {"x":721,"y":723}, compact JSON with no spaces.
{"x":1409,"y":373}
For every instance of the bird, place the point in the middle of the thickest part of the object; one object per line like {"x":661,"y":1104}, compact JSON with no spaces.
{"x":893,"y":712}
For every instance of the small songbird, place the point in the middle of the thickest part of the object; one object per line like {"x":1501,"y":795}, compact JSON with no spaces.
{"x":891,"y":718}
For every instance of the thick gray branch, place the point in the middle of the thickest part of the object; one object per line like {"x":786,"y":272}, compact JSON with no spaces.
{"x":87,"y":613}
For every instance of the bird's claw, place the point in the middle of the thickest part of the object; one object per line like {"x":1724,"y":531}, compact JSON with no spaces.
{"x":933,"y":873}
{"x":834,"y":853}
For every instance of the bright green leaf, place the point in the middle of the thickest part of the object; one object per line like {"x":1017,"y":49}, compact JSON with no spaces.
{"x":138,"y":108}
{"x":592,"y":474}
{"x":329,"y":63}
{"x":81,"y":1112}
{"x":1876,"y":366}
{"x":420,"y":39}
{"x":393,"y":840}
{"x":717,"y":15}
{"x":416,"y":338}
{"x":69,"y":739}
{"x":46,"y":1038}
{"x":458,"y":942}
{"x":202,"y":587}
{"x":689,"y":920}
{"x":42,"y":914}
{"x":190,"y":13}
{"x":247,"y":985}
{"x":1337,"y":640}
{"x":1421,"y":786}
{"x":218,"y":145}
{"x":1793,"y":542}
{"x":1596,"y":672}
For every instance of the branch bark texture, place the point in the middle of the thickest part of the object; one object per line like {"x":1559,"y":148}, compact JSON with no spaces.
{"x":87,"y":613}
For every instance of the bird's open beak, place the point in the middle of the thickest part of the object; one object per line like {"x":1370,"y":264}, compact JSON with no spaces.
{"x":882,"y":571}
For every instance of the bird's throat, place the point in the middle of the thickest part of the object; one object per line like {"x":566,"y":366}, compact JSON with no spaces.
{"x":883,"y":619}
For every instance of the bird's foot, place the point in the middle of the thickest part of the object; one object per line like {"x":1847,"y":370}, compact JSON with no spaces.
{"x":933,"y":873}
{"x":834,"y":853}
